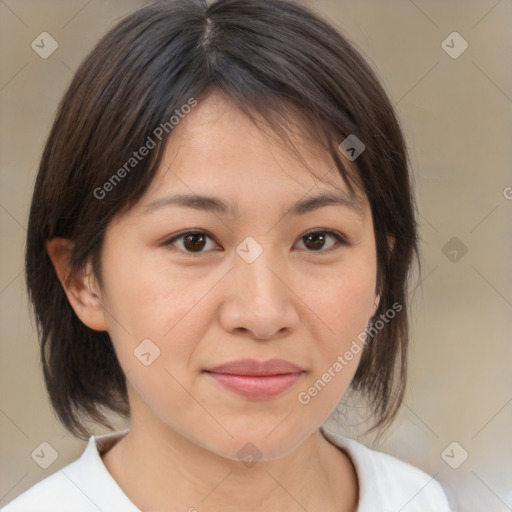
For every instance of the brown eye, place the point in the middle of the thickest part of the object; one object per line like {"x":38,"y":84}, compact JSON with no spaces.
{"x":194,"y":242}
{"x":316,"y":240}
{"x":190,"y":242}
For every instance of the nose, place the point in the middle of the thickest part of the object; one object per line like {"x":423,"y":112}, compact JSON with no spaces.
{"x":258,"y":299}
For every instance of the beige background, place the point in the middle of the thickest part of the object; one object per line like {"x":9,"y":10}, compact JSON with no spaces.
{"x":457,"y":115}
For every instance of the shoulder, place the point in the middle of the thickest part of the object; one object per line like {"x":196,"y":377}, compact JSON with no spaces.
{"x":390,"y":484}
{"x":85,"y":485}
{"x":51,"y":493}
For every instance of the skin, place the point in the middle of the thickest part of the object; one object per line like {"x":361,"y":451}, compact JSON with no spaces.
{"x":210,"y":307}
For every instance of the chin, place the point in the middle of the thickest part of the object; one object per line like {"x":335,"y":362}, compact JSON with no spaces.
{"x":261,"y":443}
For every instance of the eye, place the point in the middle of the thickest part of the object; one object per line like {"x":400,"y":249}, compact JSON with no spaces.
{"x":316,"y":240}
{"x":194,"y":242}
{"x":191,"y":242}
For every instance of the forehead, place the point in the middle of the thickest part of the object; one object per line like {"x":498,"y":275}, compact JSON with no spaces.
{"x":217,"y":149}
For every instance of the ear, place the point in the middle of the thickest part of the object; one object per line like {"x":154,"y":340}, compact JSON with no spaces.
{"x":82,"y":289}
{"x":375,"y":305}
{"x":391,"y":242}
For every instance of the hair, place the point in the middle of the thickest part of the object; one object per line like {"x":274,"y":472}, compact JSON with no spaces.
{"x":270,"y":57}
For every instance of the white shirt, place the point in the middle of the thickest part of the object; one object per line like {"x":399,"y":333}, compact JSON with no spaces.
{"x":386,"y":484}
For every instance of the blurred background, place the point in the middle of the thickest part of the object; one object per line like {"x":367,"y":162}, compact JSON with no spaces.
{"x":447,"y":68}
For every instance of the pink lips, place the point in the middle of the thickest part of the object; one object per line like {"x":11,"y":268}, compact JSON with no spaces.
{"x":257,"y":380}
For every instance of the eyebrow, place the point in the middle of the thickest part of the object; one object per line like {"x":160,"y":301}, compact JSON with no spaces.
{"x":217,"y":205}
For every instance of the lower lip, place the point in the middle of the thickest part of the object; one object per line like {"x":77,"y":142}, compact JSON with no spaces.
{"x":257,"y":387}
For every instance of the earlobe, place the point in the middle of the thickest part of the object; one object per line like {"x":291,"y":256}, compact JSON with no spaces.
{"x":80,"y":287}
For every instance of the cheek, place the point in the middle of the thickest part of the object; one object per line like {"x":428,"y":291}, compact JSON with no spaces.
{"x":342,"y":307}
{"x":150,"y":297}
{"x":160,"y":318}
{"x":343,"y":299}
{"x":172,"y":309}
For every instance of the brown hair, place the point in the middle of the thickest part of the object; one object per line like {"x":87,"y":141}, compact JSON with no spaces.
{"x":265,"y":55}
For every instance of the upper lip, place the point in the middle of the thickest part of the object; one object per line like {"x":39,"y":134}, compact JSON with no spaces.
{"x":253,"y":367}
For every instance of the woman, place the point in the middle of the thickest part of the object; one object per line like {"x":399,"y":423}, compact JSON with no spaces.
{"x":219,"y":242}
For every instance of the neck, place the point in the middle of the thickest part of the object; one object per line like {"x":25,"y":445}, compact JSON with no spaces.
{"x":158,"y":469}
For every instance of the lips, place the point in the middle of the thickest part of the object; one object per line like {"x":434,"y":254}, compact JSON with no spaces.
{"x":255,"y":379}
{"x":252,"y":367}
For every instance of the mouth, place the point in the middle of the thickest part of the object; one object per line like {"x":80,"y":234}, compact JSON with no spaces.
{"x":257,"y":380}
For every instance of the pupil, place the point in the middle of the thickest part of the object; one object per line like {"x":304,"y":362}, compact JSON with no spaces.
{"x":318,"y":240}
{"x":193,"y":245}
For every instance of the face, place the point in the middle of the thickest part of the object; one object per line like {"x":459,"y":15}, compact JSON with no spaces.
{"x":259,"y":280}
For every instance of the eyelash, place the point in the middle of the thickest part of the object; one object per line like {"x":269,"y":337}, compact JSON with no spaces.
{"x":341,"y":241}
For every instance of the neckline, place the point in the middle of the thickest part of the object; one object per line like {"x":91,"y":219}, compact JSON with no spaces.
{"x":100,"y":445}
{"x":106,"y":442}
